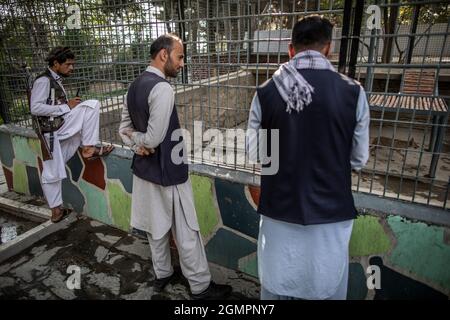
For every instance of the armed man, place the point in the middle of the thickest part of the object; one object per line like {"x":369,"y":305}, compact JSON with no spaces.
{"x":63,"y":124}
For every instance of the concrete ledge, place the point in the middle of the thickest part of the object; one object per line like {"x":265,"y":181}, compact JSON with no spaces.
{"x":384,"y":206}
{"x":32,"y":236}
{"x":18,"y":131}
{"x":24,"y":210}
{"x":226,"y":174}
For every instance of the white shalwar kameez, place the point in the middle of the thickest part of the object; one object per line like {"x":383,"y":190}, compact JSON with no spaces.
{"x":156,"y":209}
{"x":80,"y":128}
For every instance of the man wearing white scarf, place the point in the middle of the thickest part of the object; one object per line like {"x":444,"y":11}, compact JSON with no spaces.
{"x":307,"y":208}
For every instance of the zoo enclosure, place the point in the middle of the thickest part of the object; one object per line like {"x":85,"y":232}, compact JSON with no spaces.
{"x":233,"y":46}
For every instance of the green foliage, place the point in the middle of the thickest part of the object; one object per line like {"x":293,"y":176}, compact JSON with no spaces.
{"x":118,"y":8}
{"x":131,"y":60}
{"x":429,"y":14}
{"x":87,"y":49}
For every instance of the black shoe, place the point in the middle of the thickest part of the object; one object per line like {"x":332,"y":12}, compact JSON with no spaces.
{"x":160,"y":284}
{"x":213,"y":292}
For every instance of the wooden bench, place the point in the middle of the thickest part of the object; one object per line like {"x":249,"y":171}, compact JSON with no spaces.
{"x":418,"y":95}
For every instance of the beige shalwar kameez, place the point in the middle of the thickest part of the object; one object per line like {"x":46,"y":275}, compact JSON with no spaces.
{"x":156,"y":209}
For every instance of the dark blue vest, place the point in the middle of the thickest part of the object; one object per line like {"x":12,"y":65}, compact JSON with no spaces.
{"x":158,"y":167}
{"x":313,"y":183}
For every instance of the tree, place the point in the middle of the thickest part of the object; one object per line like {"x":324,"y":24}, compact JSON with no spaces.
{"x":390,"y":15}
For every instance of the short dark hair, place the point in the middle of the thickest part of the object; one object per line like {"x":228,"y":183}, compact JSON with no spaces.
{"x":163,"y":42}
{"x":60,"y":54}
{"x":313,"y":31}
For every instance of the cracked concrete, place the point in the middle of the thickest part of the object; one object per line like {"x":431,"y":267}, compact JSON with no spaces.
{"x":100,"y":253}
{"x":37,"y":265}
{"x":144,"y":292}
{"x":56,"y":282}
{"x":138,"y":247}
{"x":136,"y":267}
{"x":115,"y":258}
{"x":8,"y":266}
{"x":38,"y":294}
{"x":104,"y":281}
{"x":113,"y":265}
{"x":107,"y":238}
{"x":6,"y":282}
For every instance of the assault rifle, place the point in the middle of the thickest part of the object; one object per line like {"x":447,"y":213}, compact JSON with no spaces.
{"x":46,"y":153}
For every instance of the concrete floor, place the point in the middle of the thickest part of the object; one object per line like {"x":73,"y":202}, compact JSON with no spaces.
{"x":11,"y":224}
{"x":112,"y":265}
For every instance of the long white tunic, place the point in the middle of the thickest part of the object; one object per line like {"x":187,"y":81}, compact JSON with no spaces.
{"x":81,"y":127}
{"x":152,"y":205}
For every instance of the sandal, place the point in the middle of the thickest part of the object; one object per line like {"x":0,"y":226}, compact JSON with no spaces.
{"x":64,"y":213}
{"x":101,"y":151}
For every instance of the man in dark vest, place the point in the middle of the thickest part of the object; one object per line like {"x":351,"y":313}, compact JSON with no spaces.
{"x":162,"y":198}
{"x":306,"y":207}
{"x":65,"y":123}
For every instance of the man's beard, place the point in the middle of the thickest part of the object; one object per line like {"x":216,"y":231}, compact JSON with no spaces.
{"x":64,"y":75}
{"x":169,"y":70}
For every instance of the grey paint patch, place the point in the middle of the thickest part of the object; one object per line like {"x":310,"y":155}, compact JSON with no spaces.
{"x":57,"y":284}
{"x":100,"y":253}
{"x":107,"y":238}
{"x":38,"y":250}
{"x":104,"y":281}
{"x":95,"y":223}
{"x":139,"y":247}
{"x":35,"y":266}
{"x":114,"y":258}
{"x":136,"y":267}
